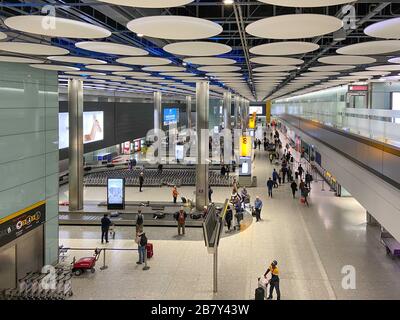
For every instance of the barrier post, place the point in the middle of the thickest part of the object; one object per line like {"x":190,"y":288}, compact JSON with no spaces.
{"x":104,"y":267}
{"x":146,"y":267}
{"x":215,"y":278}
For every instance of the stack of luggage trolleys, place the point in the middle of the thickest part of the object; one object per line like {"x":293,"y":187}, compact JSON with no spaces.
{"x":42,"y":286}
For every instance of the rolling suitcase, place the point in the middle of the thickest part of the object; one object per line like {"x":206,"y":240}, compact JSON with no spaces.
{"x":259,"y":293}
{"x":149,"y":249}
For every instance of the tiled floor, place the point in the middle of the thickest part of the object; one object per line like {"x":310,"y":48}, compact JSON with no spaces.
{"x":312,"y":245}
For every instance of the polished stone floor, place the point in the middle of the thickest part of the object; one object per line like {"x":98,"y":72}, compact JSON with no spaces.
{"x":311,"y":244}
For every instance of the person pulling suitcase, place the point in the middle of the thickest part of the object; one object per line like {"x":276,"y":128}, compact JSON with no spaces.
{"x":274,"y":281}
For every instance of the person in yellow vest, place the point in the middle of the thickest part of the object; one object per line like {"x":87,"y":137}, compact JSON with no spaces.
{"x":274,"y":282}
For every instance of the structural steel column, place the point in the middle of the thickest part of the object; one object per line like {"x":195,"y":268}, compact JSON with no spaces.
{"x":236,"y":111}
{"x":202,"y":110}
{"x":189,"y":111}
{"x":75,"y":110}
{"x":157,"y":110}
{"x":227,"y":109}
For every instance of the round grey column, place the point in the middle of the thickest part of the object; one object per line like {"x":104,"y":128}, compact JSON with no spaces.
{"x":202,"y":131}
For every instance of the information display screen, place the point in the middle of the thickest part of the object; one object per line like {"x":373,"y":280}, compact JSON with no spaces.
{"x":116,"y":193}
{"x":256,"y":109}
{"x":179,"y":152}
{"x":171,"y":116}
{"x":93,"y":128}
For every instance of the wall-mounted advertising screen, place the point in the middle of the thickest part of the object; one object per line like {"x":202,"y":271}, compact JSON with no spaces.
{"x":171,"y":116}
{"x":256,"y":109}
{"x":395,"y":100}
{"x":115,"y":193}
{"x":93,"y":128}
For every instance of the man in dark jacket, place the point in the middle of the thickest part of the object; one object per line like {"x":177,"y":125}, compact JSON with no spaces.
{"x":105,"y":226}
{"x":210,"y":192}
{"x":229,"y":218}
{"x":270,"y":185}
{"x":308,"y":179}
{"x":293,"y":186}
{"x":141,"y":181}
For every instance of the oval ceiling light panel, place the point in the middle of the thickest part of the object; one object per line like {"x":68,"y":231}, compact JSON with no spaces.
{"x":394,"y":60}
{"x":111,"y":48}
{"x":178,"y":74}
{"x":285,"y":48}
{"x":219,"y":69}
{"x":19,"y":59}
{"x":210,"y":61}
{"x":32,"y":48}
{"x":51,"y":26}
{"x":387,"y":29}
{"x":387,"y":67}
{"x":2,"y":35}
{"x":174,"y":27}
{"x":144,"y":61}
{"x":277,"y":61}
{"x":131,"y":74}
{"x":294,"y":26}
{"x":351,"y":60}
{"x":332,"y":68}
{"x":79,"y":60}
{"x":149,"y":4}
{"x":369,"y":73}
{"x":224,"y":74}
{"x":305,"y":3}
{"x":113,"y":78}
{"x":320,"y":73}
{"x":86,"y":73}
{"x":164,"y":69}
{"x":108,"y":67}
{"x":197,"y":48}
{"x":274,"y":68}
{"x":371,"y":47}
{"x":273,"y":74}
{"x":53,"y":67}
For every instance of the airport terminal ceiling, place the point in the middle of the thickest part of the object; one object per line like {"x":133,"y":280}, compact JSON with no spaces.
{"x":258,"y":49}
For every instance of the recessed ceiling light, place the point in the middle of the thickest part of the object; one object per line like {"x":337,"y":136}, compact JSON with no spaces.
{"x":228,"y":2}
{"x":139,"y":35}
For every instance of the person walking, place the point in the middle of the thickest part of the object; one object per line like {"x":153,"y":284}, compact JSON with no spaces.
{"x":257,"y":207}
{"x":305,"y":193}
{"x":275,"y":178}
{"x":274,"y":281}
{"x":300,"y":170}
{"x":308,"y":179}
{"x":210,"y":192}
{"x":141,"y":181}
{"x":234,"y":186}
{"x":270,"y":185}
{"x":139,"y":221}
{"x":105,"y":226}
{"x":141,"y":241}
{"x":175,"y":193}
{"x":229,"y":218}
{"x":180,"y":218}
{"x":293,"y":186}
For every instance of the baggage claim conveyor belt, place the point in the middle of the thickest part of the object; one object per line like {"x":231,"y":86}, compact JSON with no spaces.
{"x":92,"y":214}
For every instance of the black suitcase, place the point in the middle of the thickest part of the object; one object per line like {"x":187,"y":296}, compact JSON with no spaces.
{"x":259,"y":294}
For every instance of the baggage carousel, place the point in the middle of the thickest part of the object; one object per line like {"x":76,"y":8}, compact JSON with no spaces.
{"x":94,"y":211}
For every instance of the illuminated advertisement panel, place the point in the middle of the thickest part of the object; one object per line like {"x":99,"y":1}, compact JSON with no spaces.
{"x":115,"y":193}
{"x":93,"y":128}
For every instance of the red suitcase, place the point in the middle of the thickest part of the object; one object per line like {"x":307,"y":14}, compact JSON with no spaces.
{"x":149,"y":249}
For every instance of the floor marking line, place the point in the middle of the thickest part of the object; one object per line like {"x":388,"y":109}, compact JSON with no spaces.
{"x":328,"y":286}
